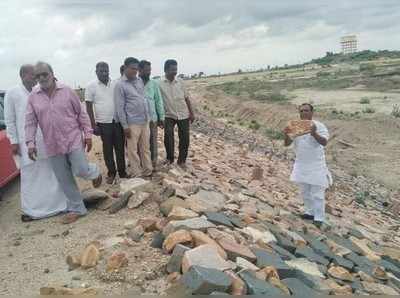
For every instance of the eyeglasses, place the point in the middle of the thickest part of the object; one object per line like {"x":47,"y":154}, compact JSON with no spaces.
{"x":43,"y":74}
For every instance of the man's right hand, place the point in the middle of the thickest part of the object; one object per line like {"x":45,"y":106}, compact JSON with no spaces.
{"x":32,"y":152}
{"x":286,"y":131}
{"x":15,"y":149}
{"x":96,"y":130}
{"x":127,"y":132}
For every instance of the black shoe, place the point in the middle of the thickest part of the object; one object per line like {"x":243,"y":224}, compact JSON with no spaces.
{"x":122,"y":176}
{"x":26,"y":218}
{"x":318,"y":224}
{"x":307,"y":217}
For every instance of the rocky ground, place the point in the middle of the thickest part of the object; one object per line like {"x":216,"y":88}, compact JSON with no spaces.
{"x":229,"y":223}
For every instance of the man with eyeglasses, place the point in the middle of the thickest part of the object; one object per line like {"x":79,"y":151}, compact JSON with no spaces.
{"x":134,"y":116}
{"x":65,"y":125}
{"x":37,"y":201}
{"x":310,"y":171}
{"x":99,"y":97}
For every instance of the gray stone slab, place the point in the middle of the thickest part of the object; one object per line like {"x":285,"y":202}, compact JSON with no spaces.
{"x":299,"y":289}
{"x":257,"y":286}
{"x":204,"y":281}
{"x":265,"y":258}
{"x":158,"y":240}
{"x":175,"y":262}
{"x":390,"y":267}
{"x":358,"y":260}
{"x":342,"y":262}
{"x":322,"y":249}
{"x":309,"y":254}
{"x":218,"y":219}
{"x":283,"y":253}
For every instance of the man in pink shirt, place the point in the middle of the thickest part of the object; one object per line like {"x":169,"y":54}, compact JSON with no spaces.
{"x":66,"y":132}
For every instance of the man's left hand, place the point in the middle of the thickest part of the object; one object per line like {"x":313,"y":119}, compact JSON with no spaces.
{"x":313,"y":129}
{"x":191,"y":118}
{"x":88,"y":144}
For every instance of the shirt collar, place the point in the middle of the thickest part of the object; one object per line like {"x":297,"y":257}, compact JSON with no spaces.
{"x":168,"y":81}
{"x":101,"y":83}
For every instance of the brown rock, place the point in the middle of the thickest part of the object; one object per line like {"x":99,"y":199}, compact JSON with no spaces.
{"x":270,"y":272}
{"x":46,"y":291}
{"x":238,"y":287}
{"x":116,"y":261}
{"x":363,"y":246}
{"x":149,"y":224}
{"x":258,"y":173}
{"x":235,"y":250}
{"x":161,"y":224}
{"x":200,"y":238}
{"x":90,"y":256}
{"x":336,"y":289}
{"x":217,"y":234}
{"x":137,"y":199}
{"x":248,"y":219}
{"x":340,"y":273}
{"x":178,"y":237}
{"x":365,"y":277}
{"x":180,"y":213}
{"x":73,"y":262}
{"x":380,"y":273}
{"x":168,"y":204}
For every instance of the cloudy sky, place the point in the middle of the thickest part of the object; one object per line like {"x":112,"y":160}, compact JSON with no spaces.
{"x":204,"y":35}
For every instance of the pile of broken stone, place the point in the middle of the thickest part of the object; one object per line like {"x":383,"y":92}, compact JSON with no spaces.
{"x":231,"y":225}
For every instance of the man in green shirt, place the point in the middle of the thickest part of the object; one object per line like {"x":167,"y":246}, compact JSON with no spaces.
{"x":157,"y":115}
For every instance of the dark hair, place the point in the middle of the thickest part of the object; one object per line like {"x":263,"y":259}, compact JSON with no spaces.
{"x":45,"y":64}
{"x":130,"y":60}
{"x":143,"y":63}
{"x":24,"y":68}
{"x":121,"y":69}
{"x":169,"y":63}
{"x":308,"y":104}
{"x":101,"y":63}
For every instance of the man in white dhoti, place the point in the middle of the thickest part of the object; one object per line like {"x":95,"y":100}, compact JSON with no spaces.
{"x":310,"y":171}
{"x":41,"y":194}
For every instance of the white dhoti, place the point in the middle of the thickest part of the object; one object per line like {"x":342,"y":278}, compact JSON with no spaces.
{"x":41,"y":194}
{"x":314,"y":200}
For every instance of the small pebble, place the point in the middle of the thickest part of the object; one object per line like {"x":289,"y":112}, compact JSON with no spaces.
{"x":46,"y":270}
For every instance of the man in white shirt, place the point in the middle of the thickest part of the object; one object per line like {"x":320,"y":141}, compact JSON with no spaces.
{"x":41,"y":193}
{"x":310,"y":171}
{"x":99,"y":97}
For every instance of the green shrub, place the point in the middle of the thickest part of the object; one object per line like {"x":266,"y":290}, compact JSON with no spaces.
{"x":368,"y":110}
{"x":254,"y":125}
{"x":323,"y":74}
{"x":367,"y":67}
{"x":365,"y":100}
{"x":274,"y":134}
{"x":396,"y":111}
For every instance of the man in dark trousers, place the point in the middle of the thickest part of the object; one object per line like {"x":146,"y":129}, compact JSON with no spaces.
{"x":178,"y":111}
{"x":100,"y":95}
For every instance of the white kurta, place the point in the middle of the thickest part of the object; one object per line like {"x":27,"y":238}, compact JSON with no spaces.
{"x":310,"y":165}
{"x":41,"y":195}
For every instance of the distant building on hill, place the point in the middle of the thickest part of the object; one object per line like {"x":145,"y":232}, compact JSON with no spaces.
{"x":349,"y":44}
